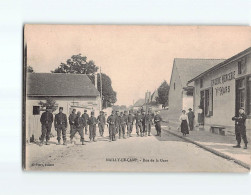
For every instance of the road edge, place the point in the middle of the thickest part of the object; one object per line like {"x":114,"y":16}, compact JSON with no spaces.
{"x":225,"y":156}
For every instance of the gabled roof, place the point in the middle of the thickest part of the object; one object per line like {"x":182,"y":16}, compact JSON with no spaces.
{"x":189,"y":68}
{"x":154,"y":95}
{"x":139,"y":103}
{"x":219,"y":65}
{"x":59,"y":84}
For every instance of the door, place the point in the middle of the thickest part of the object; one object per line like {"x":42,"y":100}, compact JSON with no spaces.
{"x":240,"y":95}
{"x":202,"y":106}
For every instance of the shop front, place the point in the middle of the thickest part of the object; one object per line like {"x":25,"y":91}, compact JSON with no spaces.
{"x":220,"y":91}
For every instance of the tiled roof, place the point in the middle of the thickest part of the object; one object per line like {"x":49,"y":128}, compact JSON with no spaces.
{"x":189,"y":68}
{"x":58,"y":84}
{"x":221,"y":64}
{"x":139,"y":103}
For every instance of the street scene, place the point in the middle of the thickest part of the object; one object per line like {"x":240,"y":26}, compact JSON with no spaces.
{"x":96,"y":102}
{"x":134,"y":154}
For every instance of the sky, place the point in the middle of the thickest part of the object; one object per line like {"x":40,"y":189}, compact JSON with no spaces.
{"x":136,"y":58}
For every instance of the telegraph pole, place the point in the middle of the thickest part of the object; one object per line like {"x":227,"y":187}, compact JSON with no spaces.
{"x":101,"y":90}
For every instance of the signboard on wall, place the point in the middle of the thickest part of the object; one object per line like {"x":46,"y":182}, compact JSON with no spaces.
{"x":223,"y":89}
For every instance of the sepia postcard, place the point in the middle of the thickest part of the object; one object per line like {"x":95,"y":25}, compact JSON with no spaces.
{"x":136,"y":98}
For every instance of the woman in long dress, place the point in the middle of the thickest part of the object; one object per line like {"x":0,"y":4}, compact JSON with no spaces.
{"x":184,"y":123}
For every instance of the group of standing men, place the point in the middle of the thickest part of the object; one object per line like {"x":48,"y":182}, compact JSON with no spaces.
{"x":118,"y":123}
{"x":143,"y":122}
{"x":78,"y":123}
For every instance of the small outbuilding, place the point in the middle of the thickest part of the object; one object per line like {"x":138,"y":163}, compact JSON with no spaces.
{"x":68,"y":90}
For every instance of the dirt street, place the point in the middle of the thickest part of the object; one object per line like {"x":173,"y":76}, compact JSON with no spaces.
{"x":144,"y":154}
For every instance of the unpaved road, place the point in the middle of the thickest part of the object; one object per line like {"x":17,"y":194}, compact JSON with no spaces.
{"x":143,"y":154}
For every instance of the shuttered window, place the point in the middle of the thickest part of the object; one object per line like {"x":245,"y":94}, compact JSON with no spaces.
{"x":209,"y":102}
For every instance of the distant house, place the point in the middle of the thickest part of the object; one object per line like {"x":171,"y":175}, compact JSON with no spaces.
{"x":181,"y":94}
{"x":68,"y":90}
{"x":138,"y":104}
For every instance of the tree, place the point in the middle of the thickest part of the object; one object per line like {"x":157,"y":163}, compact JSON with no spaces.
{"x":78,"y":64}
{"x":108,"y":94}
{"x":30,"y":69}
{"x":50,"y":102}
{"x":163,"y":92}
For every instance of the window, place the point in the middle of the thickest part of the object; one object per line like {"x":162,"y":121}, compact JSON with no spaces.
{"x":242,"y":66}
{"x":240,"y":94}
{"x":201,"y":83}
{"x":206,"y":102}
{"x":209,"y":102}
{"x":243,"y":94}
{"x":248,"y":96}
{"x":189,"y":93}
{"x":36,"y":110}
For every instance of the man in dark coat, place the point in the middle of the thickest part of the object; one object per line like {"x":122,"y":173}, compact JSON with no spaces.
{"x":130,"y":119}
{"x":92,"y":127}
{"x":46,"y":121}
{"x":79,"y":124}
{"x":101,"y":123}
{"x":157,"y":121}
{"x":138,"y":119}
{"x":60,"y":124}
{"x":144,"y":118}
{"x":71,"y":119}
{"x":191,"y":116}
{"x":86,"y":117}
{"x":240,"y":128}
{"x":111,"y":121}
{"x":123,"y":122}
{"x":117,"y":121}
{"x":149,"y":121}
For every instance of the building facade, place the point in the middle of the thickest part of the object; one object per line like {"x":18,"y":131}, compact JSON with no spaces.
{"x":223,"y":89}
{"x":68,"y":90}
{"x":180,"y":93}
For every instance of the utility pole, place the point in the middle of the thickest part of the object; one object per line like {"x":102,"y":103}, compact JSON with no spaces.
{"x":147,"y":100}
{"x":101,"y":90}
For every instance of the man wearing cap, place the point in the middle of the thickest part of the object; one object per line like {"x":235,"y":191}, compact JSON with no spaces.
{"x":130,"y":119}
{"x":138,"y":119}
{"x":71,"y":119}
{"x":157,"y":121}
{"x":117,"y":121}
{"x":79,"y":124}
{"x":148,"y":122}
{"x":46,"y":120}
{"x":123,"y":121}
{"x":240,"y":128}
{"x":60,"y":124}
{"x":86,"y":117}
{"x":126,"y":117}
{"x":101,"y":123}
{"x":92,"y":127}
{"x":191,"y":116}
{"x":111,"y":121}
{"x":144,"y":123}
